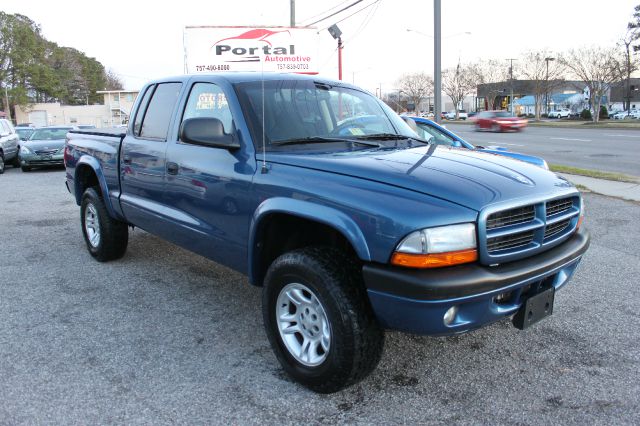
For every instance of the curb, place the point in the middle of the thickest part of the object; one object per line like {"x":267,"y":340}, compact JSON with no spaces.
{"x":625,"y":190}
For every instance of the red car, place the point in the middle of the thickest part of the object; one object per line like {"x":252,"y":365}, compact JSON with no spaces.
{"x":499,"y":121}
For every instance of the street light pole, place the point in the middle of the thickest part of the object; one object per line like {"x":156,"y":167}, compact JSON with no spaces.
{"x":546,"y":86}
{"x":511,"y":81}
{"x":437,"y":76}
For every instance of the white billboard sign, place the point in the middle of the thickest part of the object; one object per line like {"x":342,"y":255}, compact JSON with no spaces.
{"x":269,"y":49}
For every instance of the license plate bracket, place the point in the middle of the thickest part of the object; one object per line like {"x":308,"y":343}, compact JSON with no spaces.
{"x":534,"y":309}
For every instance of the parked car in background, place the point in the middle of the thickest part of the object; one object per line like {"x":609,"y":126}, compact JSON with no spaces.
{"x":85,"y":126}
{"x":499,"y":121}
{"x":462,"y":115}
{"x":561,"y":113}
{"x":9,"y":141}
{"x":621,"y":115}
{"x":436,"y":134}
{"x":25,"y":132}
{"x":45,"y":147}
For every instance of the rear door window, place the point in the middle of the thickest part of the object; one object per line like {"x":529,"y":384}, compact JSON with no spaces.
{"x":158,"y":115}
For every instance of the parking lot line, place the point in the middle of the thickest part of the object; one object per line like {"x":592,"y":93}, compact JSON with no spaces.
{"x":572,"y":139}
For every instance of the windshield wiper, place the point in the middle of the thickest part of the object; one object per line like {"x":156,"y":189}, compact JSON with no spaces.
{"x":319,"y":139}
{"x":302,"y":141}
{"x":389,"y":136}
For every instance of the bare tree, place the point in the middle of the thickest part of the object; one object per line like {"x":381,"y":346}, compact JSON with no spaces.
{"x":628,"y":64}
{"x":490,"y":73}
{"x":545,"y":73}
{"x":417,"y":86}
{"x":457,"y":83}
{"x":112,"y":81}
{"x":597,"y":68}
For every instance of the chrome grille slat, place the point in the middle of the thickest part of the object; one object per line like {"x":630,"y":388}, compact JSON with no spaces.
{"x":511,"y":217}
{"x":509,"y":241}
{"x":558,"y":206}
{"x":556,"y":228}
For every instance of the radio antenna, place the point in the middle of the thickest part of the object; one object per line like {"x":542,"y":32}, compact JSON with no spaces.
{"x":264,"y":148}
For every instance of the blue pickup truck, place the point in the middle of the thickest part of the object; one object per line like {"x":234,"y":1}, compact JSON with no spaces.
{"x":350,"y":224}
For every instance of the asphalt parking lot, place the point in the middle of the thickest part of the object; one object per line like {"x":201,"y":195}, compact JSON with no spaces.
{"x":164,"y":336}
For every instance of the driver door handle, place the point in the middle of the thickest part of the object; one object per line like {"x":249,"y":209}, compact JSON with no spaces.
{"x":172,"y":168}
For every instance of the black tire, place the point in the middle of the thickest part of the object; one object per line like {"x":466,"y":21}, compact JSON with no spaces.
{"x":113,"y":236}
{"x":26,"y":169}
{"x":1,"y":164}
{"x":16,"y":162}
{"x":357,"y":341}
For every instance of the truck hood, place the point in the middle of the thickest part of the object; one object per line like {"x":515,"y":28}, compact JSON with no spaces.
{"x":469,"y":178}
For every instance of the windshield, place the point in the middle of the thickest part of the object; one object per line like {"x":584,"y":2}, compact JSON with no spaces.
{"x":503,"y":114}
{"x":24,"y":133}
{"x":49,"y":134}
{"x":302,"y":110}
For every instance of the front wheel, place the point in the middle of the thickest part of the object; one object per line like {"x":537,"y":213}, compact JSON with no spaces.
{"x":318,"y":319}
{"x":106,"y":238}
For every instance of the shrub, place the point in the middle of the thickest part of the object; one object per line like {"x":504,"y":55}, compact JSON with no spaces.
{"x":603,"y":112}
{"x":586,"y":114}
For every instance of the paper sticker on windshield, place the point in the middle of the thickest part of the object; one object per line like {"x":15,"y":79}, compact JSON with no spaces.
{"x":356,"y":131}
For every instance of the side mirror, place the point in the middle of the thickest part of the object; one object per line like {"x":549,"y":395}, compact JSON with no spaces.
{"x":207,"y":131}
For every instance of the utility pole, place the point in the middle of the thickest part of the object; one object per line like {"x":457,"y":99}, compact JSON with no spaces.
{"x":292,"y":9}
{"x":511,"y":81}
{"x":437,"y":76}
{"x":6,"y":103}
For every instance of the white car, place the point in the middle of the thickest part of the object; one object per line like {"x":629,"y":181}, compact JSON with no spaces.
{"x":621,"y":115}
{"x":561,"y":113}
{"x":462,"y":115}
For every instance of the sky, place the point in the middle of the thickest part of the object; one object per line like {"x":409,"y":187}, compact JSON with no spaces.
{"x":143,"y":40}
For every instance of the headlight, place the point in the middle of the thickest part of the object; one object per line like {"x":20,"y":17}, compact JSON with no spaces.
{"x":437,"y":247}
{"x":25,"y":150}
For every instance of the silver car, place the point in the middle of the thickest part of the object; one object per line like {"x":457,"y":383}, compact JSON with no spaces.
{"x":9,"y":141}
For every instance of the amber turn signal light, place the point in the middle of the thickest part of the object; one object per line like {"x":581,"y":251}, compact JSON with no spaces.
{"x":434,"y":260}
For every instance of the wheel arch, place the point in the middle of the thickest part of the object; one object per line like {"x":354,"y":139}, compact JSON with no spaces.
{"x":304,"y":223}
{"x":88,"y":173}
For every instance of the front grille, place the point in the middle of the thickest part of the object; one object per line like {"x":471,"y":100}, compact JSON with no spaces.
{"x":556,"y":228}
{"x":510,"y":241}
{"x":46,"y":151}
{"x":511,"y":217}
{"x":559,"y":206}
{"x":517,"y":232}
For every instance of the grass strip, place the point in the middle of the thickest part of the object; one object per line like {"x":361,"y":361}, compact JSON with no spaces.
{"x":619,"y":177}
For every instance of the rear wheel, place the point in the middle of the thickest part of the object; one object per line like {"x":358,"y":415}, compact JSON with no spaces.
{"x":26,"y":168}
{"x":1,"y":164}
{"x":106,"y":238}
{"x":318,"y":319}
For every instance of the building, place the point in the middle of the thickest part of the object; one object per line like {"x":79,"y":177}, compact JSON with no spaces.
{"x":115,"y":111}
{"x":619,"y":95}
{"x":575,"y":102}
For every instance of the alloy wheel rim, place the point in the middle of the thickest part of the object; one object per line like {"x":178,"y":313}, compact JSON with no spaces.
{"x":303,"y":324}
{"x":92,"y":225}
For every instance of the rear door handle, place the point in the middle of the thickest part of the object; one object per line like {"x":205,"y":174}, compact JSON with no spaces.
{"x":172,"y":168}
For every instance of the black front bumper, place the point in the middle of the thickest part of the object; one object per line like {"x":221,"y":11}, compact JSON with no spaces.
{"x":470,"y":279}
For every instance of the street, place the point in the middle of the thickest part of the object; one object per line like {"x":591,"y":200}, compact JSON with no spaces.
{"x":610,"y":150}
{"x":164,"y":336}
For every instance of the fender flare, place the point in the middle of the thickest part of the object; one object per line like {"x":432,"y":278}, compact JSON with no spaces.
{"x":329,"y":216}
{"x":87,"y":160}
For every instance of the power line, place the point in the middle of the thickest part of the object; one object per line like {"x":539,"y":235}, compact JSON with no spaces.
{"x":354,"y":13}
{"x":366,"y":20}
{"x":326,"y":11}
{"x":335,"y":13}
